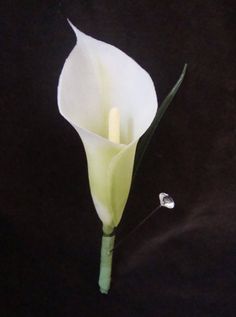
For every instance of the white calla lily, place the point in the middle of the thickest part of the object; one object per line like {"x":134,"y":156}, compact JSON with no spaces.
{"x":110,"y":101}
{"x":95,"y":78}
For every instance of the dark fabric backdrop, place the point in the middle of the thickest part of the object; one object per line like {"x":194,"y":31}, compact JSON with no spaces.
{"x":180,"y":263}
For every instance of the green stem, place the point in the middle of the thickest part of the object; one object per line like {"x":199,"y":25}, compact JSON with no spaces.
{"x":106,"y":262}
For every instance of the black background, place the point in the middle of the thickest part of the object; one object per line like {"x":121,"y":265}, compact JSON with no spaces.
{"x":180,"y":263}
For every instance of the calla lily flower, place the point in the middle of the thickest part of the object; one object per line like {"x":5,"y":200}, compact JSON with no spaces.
{"x":111,"y":102}
{"x":96,"y":78}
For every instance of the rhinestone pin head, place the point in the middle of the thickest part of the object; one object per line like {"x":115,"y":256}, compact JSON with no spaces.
{"x":166,"y":201}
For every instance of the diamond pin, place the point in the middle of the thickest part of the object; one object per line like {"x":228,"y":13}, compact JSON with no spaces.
{"x":166,"y":201}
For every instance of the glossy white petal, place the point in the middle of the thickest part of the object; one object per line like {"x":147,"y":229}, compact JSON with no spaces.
{"x":95,"y":78}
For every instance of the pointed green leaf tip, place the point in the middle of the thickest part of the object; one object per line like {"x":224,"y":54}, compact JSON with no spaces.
{"x":146,"y":138}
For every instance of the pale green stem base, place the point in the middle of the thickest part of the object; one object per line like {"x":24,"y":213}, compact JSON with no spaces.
{"x":106,"y":263}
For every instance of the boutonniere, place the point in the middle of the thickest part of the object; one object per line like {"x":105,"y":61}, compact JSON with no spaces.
{"x":111,"y":102}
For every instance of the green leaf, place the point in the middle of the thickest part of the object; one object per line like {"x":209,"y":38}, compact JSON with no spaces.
{"x":146,"y":138}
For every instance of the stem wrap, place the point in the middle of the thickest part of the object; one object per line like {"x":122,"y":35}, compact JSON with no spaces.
{"x":106,"y":263}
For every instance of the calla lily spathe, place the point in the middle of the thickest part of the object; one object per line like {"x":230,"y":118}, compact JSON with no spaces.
{"x":95,"y":78}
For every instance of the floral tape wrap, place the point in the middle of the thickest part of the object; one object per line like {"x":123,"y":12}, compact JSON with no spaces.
{"x":106,"y":263}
